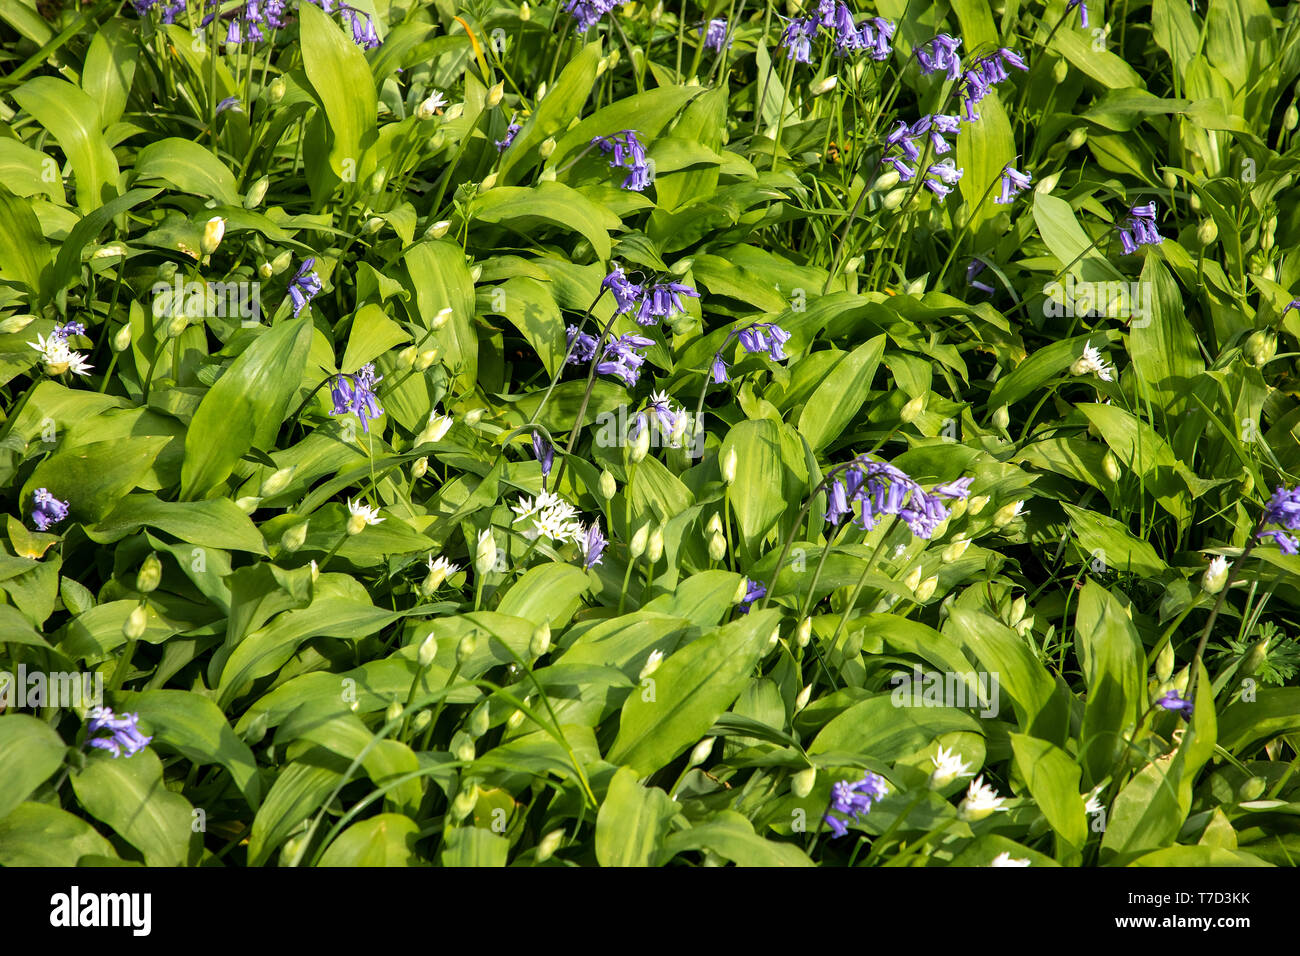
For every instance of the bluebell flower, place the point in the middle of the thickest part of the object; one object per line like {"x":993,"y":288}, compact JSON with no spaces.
{"x":1283,"y":508}
{"x":62,"y":332}
{"x":1293,"y":304}
{"x":592,"y":543}
{"x":630,"y":153}
{"x":356,"y":393}
{"x":941,"y":177}
{"x":663,"y":301}
{"x":304,"y":286}
{"x":229,"y":103}
{"x":879,"y":488}
{"x":1013,"y":182}
{"x":753,"y":592}
{"x":1174,"y":701}
{"x":1083,"y":11}
{"x":504,"y":144}
{"x":627,"y":294}
{"x":797,"y":37}
{"x":47,"y":509}
{"x":975,"y":267}
{"x":544,"y":453}
{"x":363,"y":28}
{"x":621,"y":358}
{"x":661,"y":407}
{"x":582,"y":346}
{"x":940,"y":54}
{"x":853,"y":800}
{"x":876,"y":36}
{"x":589,"y":12}
{"x":715,"y":35}
{"x":765,"y":337}
{"x":1139,"y":229}
{"x":125,"y":734}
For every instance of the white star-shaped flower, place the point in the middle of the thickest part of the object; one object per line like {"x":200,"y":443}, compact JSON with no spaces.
{"x":59,"y":358}
{"x":981,"y":800}
{"x":1006,"y":859}
{"x":1091,"y":362}
{"x":948,"y":766}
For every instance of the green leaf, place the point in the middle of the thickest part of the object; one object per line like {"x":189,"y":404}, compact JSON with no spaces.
{"x":30,"y":752}
{"x":632,"y":822}
{"x":441,"y":281}
{"x":341,"y":80}
{"x":245,"y":407}
{"x":36,"y":834}
{"x":216,"y":523}
{"x":1105,"y":538}
{"x":93,"y":478}
{"x":24,"y":255}
{"x":841,"y":393}
{"x":299,"y":790}
{"x":732,"y":837}
{"x":688,"y":692}
{"x":474,"y":846}
{"x":1052,"y":777}
{"x":525,"y":208}
{"x":385,"y":840}
{"x":128,"y":794}
{"x":756,"y":494}
{"x":189,"y":167}
{"x":73,"y":119}
{"x":551,"y":593}
{"x":373,"y":333}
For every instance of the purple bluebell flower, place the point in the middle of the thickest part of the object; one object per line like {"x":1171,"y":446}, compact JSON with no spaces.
{"x":627,"y":294}
{"x":1283,"y":508}
{"x":1083,"y":11}
{"x":582,"y":347}
{"x":663,"y":301}
{"x":356,"y":393}
{"x":47,"y":509}
{"x":589,"y":12}
{"x":544,"y":453}
{"x":592,"y":544}
{"x":719,"y":369}
{"x":838,"y":506}
{"x":1013,"y":182}
{"x":715,"y":35}
{"x":880,"y":488}
{"x":630,"y":153}
{"x":1013,"y":59}
{"x":876,"y":35}
{"x":125,"y":732}
{"x":230,"y":102}
{"x":940,"y":54}
{"x":852,"y":800}
{"x":941,"y":177}
{"x":1293,"y":304}
{"x":363,"y":28}
{"x":504,"y":144}
{"x":1139,"y":229}
{"x":797,"y":38}
{"x":1175,"y":702}
{"x":304,"y":286}
{"x":621,"y":358}
{"x":63,"y":332}
{"x":753,"y":592}
{"x":764,"y":337}
{"x":975,"y":267}
{"x":661,"y":407}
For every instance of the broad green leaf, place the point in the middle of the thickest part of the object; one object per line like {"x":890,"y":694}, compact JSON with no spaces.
{"x":385,"y":840}
{"x":1053,"y":781}
{"x":732,"y":837}
{"x":632,"y":822}
{"x":840,"y":394}
{"x":30,"y":752}
{"x":73,"y":119}
{"x":442,"y":281}
{"x":525,"y":208}
{"x":128,"y":794}
{"x":341,"y":79}
{"x":36,"y":834}
{"x":189,"y":167}
{"x":1106,"y":539}
{"x":93,"y":478}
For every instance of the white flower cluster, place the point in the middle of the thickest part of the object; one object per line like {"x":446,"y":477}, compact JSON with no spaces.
{"x":550,"y":515}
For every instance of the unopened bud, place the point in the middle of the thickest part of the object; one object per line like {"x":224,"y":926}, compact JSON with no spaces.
{"x":1253,"y":787}
{"x":176,"y":326}
{"x":473,"y":417}
{"x":825,"y":86}
{"x":495,"y":93}
{"x":276,"y":90}
{"x":489,"y":181}
{"x":640,"y":445}
{"x":803,"y":634}
{"x":438,"y":229}
{"x":464,"y":803}
{"x":1261,"y":347}
{"x":1165,"y":661}
{"x":485,"y":557}
{"x":913,"y":579}
{"x":136,"y":623}
{"x":1216,"y":575}
{"x":394,"y":712}
{"x":122,"y":339}
{"x":421,"y":721}
{"x":150,"y":573}
{"x":742,"y":589}
{"x":639,"y":540}
{"x":701,"y":752}
{"x":419,"y":468}
{"x":281,"y":262}
{"x":540,"y":642}
{"x":1290,"y":118}
{"x":256,"y":193}
{"x":912,"y":409}
{"x":887,"y":180}
{"x":717,"y":548}
{"x":441,"y":319}
{"x":655,"y":546}
{"x":428,"y":650}
{"x":1007,"y":514}
{"x":801,"y":701}
{"x":278,"y":481}
{"x":1018,"y":608}
{"x":1078,"y":138}
{"x":1048,"y":183}
{"x":213,"y":232}
{"x":607,"y":486}
{"x":551,"y":842}
{"x":728,"y":465}
{"x":715,"y":523}
{"x":294,"y":538}
{"x":1060,"y":70}
{"x":977,"y":504}
{"x":802,"y":783}
{"x":925,"y":590}
{"x":1255,"y":657}
{"x":425,"y":359}
{"x":652,"y":664}
{"x":894,"y":198}
{"x":955,"y":549}
{"x":465,"y":649}
{"x":1207,"y":232}
{"x":547,"y":147}
{"x":1110,"y":465}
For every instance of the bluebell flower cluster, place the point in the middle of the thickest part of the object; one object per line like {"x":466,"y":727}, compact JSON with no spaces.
{"x":650,"y":303}
{"x":624,"y":356}
{"x":356,"y":393}
{"x":879,"y":488}
{"x":168,"y":10}
{"x":1139,"y":229}
{"x":628,"y":152}
{"x":853,"y":800}
{"x":589,"y":12}
{"x":47,"y":510}
{"x":124,"y":731}
{"x":661,"y":408}
{"x":940,"y":176}
{"x":766,"y":337}
{"x":581,"y":345}
{"x":512,"y":129}
{"x":715,"y":35}
{"x":593,"y":544}
{"x":940,"y":54}
{"x":1284,"y":509}
{"x":1013,"y":182}
{"x":978,"y":81}
{"x":871,"y":36}
{"x":304,"y":286}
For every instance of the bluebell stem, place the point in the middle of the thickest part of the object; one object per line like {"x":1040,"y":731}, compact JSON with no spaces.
{"x":1283,"y":508}
{"x":47,"y":509}
{"x":125,"y":734}
{"x":304,"y":286}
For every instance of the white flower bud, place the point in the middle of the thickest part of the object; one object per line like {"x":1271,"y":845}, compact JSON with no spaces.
{"x":639,"y":540}
{"x":1018,"y":607}
{"x":824,"y":86}
{"x":464,"y":803}
{"x":294,"y":538}
{"x":701,"y":751}
{"x":804,"y":633}
{"x":887,"y":180}
{"x":122,"y":338}
{"x":977,"y":504}
{"x":495,"y":93}
{"x":278,"y":481}
{"x":489,"y":181}
{"x":955,"y":549}
{"x":894,"y":198}
{"x":213,"y":232}
{"x":1165,"y":661}
{"x":1002,"y":417}
{"x":802,"y":783}
{"x":801,"y":701}
{"x":1216,"y":575}
{"x":547,"y":147}
{"x":425,"y":359}
{"x":540,"y":642}
{"x":136,"y":623}
{"x":652,"y":664}
{"x":607,"y":486}
{"x":419,"y":468}
{"x":1207,"y":232}
{"x":256,"y":193}
{"x":394,"y":711}
{"x":718,"y":550}
{"x":655,"y":546}
{"x":728,"y":465}
{"x":276,"y":90}
{"x":925,"y":590}
{"x":640,"y":446}
{"x":1007,"y":514}
{"x":549,"y":843}
{"x":438,"y":229}
{"x":428,"y":650}
{"x":248,"y":504}
{"x":485,"y":557}
{"x":1048,"y":183}
{"x":441,"y":319}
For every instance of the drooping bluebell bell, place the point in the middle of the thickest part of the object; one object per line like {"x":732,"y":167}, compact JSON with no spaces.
{"x":940,"y":54}
{"x":1293,"y":304}
{"x":1174,"y":701}
{"x":582,"y":346}
{"x":168,"y":10}
{"x":1139,"y":229}
{"x":304,"y":286}
{"x":975,"y":267}
{"x":627,"y":294}
{"x":983,"y":75}
{"x":852,"y":800}
{"x":1083,"y":11}
{"x":229,"y":103}
{"x":941,"y":177}
{"x":62,"y":332}
{"x":630,"y":153}
{"x":764,"y":337}
{"x":876,"y":36}
{"x":124,"y":730}
{"x":715,"y":35}
{"x":1283,"y":508}
{"x":1013,"y":182}
{"x":753,"y":592}
{"x":356,"y":393}
{"x":661,"y":407}
{"x":797,"y":38}
{"x":663,"y":301}
{"x":364,"y":34}
{"x":879,"y":488}
{"x":544,"y":454}
{"x":592,"y":543}
{"x":47,"y":510}
{"x":512,"y":129}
